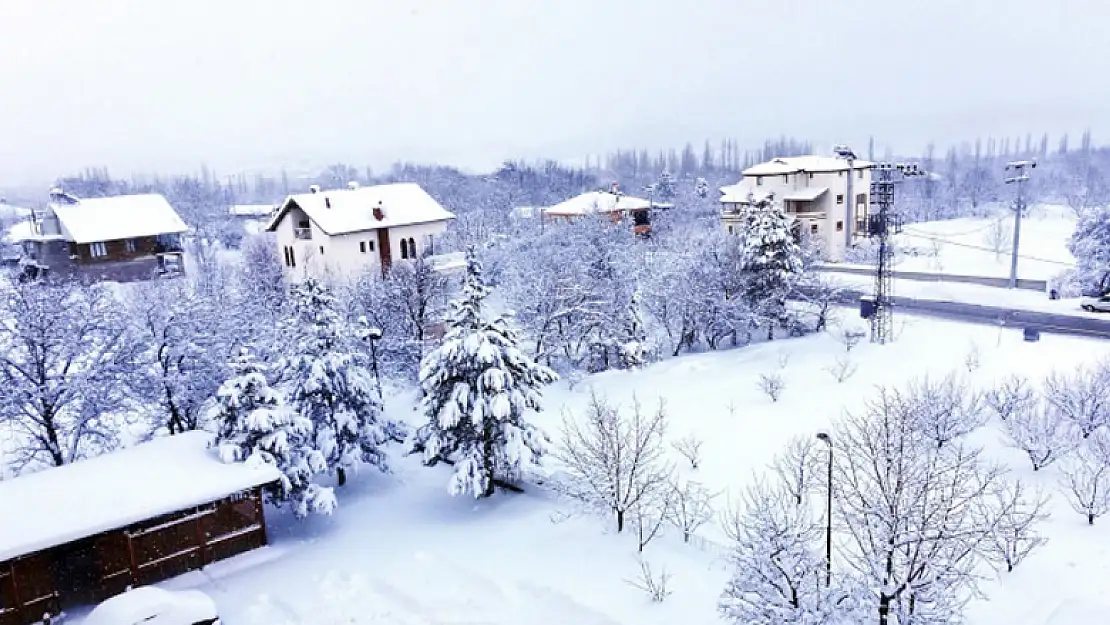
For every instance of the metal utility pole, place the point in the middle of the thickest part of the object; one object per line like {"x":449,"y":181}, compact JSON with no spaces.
{"x":882,"y":224}
{"x":825,"y":438}
{"x":1019,"y":178}
{"x":846,"y":152}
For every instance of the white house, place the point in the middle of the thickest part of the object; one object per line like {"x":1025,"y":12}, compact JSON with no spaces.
{"x":341,"y":233}
{"x":828,"y":200}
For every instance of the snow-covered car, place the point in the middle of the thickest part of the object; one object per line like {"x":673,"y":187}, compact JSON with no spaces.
{"x":1096,"y":304}
{"x":150,"y":605}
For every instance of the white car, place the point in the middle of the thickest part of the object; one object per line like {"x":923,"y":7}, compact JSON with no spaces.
{"x":150,"y":605}
{"x":1096,"y":304}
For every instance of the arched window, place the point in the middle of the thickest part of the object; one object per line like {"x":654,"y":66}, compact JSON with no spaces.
{"x":404,"y":249}
{"x":412,"y":248}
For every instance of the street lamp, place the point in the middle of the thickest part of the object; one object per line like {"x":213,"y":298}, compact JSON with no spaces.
{"x":1018,"y":167}
{"x":372,"y":335}
{"x":825,"y":438}
{"x":846,"y":152}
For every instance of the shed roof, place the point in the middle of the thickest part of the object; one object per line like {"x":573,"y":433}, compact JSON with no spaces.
{"x":806,"y":194}
{"x":343,"y":211}
{"x":810,"y":163}
{"x":60,"y":505}
{"x":251,"y":210}
{"x":120,"y":217}
{"x":601,"y":202}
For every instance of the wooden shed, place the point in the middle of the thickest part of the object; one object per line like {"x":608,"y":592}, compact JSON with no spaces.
{"x":78,"y":534}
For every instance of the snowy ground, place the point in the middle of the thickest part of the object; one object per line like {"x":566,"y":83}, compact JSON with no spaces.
{"x":401,"y":551}
{"x":964,"y":246}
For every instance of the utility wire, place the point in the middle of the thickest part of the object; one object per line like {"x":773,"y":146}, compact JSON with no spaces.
{"x":987,"y":249}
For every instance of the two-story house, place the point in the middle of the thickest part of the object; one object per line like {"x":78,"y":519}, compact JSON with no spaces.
{"x":339,"y":234}
{"x":611,"y":203}
{"x":121,"y":238}
{"x":827,"y":198}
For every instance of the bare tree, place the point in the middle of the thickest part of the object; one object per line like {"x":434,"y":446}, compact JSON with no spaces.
{"x":1016,"y":535}
{"x":800,"y":467}
{"x":1041,"y":432}
{"x":1082,"y":397}
{"x":64,"y":359}
{"x":657,"y":587}
{"x":916,"y":516}
{"x":974,"y":358}
{"x":772,"y":385}
{"x":850,"y":337}
{"x":842,"y":368}
{"x":1086,"y":479}
{"x":420,"y":292}
{"x":691,"y":506}
{"x":689,"y":447}
{"x":614,"y":460}
{"x":945,"y":409}
{"x":1009,"y":396}
{"x":999,"y":236}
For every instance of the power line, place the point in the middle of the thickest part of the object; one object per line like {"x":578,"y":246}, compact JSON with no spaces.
{"x":993,"y":223}
{"x":987,"y":249}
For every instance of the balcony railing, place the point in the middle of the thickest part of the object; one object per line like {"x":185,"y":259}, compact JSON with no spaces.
{"x":304,"y":234}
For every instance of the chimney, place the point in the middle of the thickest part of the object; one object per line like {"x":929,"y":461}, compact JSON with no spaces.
{"x":378,"y":213}
{"x":314,"y":188}
{"x":352,"y":185}
{"x":327,"y":202}
{"x":613,"y":188}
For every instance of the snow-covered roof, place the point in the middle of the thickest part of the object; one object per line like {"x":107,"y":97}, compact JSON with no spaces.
{"x":805,"y":194}
{"x":601,"y":202}
{"x":742,"y":194}
{"x":120,"y":217}
{"x":811,"y":163}
{"x":251,"y":210}
{"x":60,"y":505}
{"x":342,"y":211}
{"x":8,"y":212}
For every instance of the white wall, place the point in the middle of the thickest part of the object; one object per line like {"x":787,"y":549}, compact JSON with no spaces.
{"x":341,"y":256}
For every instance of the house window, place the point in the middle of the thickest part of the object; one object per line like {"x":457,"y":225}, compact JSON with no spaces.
{"x":840,"y":226}
{"x":98,"y":250}
{"x":759,"y":181}
{"x":371,"y":245}
{"x":412,"y":248}
{"x":730,"y":230}
{"x":813,"y":228}
{"x":130,"y":245}
{"x":861,"y":199}
{"x":362,"y":246}
{"x":404,"y":249}
{"x":859,"y":174}
{"x":429,"y":244}
{"x":321,"y":250}
{"x":285,"y":254}
{"x":292,"y":256}
{"x":840,"y":199}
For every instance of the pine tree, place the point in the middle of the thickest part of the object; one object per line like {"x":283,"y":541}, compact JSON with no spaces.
{"x":772,"y":260}
{"x":701,"y":187}
{"x":665,"y":186}
{"x":333,"y":386}
{"x":255,"y":425}
{"x":477,"y":387}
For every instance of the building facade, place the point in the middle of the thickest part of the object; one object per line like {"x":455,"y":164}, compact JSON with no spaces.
{"x":827,"y":198}
{"x":340,"y":234}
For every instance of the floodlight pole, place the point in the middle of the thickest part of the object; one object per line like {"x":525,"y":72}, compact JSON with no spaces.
{"x":1019,"y":207}
{"x":825,"y":438}
{"x":846,"y":152}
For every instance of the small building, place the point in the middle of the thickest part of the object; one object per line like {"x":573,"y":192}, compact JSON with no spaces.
{"x":342,"y":233}
{"x":121,"y":238}
{"x":80,"y":533}
{"x":252,"y":217}
{"x":828,"y":200}
{"x":611,"y":202}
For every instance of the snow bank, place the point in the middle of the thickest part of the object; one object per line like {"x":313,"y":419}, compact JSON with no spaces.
{"x":63,"y":504}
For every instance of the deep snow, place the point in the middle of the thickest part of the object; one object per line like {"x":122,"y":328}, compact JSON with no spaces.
{"x":401,"y":551}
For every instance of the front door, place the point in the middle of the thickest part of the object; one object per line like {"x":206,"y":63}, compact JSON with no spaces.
{"x":383,"y":249}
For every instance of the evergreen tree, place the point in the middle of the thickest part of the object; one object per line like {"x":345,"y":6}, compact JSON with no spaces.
{"x":255,"y":425}
{"x":665,"y":187}
{"x":701,"y":187}
{"x":332,"y":385}
{"x":1090,"y":244}
{"x":772,"y":259}
{"x":477,"y":387}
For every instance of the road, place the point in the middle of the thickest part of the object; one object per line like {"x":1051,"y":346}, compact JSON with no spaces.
{"x":1075,"y":325}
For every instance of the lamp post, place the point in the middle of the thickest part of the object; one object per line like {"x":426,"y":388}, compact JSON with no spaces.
{"x":372,"y":335}
{"x":825,"y":438}
{"x":1019,"y":206}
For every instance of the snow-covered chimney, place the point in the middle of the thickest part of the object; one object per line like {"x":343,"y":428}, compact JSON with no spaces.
{"x":352,"y":185}
{"x":614,"y":187}
{"x":314,"y":188}
{"x":379,"y":214}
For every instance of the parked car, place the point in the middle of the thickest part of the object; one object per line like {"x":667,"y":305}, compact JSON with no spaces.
{"x":150,"y":605}
{"x":1099,"y":303}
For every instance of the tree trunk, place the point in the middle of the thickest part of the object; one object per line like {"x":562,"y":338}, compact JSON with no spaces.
{"x":620,"y":520}
{"x":884,"y":610}
{"x":340,"y":476}
{"x":1090,"y":519}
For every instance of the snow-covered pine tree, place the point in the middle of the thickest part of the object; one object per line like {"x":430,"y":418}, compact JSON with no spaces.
{"x":255,"y":425}
{"x":701,"y":187}
{"x":331,"y":384}
{"x":477,"y":387}
{"x":665,"y":187}
{"x":1090,"y":244}
{"x":772,"y":260}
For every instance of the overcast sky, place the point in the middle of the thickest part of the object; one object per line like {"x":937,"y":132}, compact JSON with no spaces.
{"x":142,"y":85}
